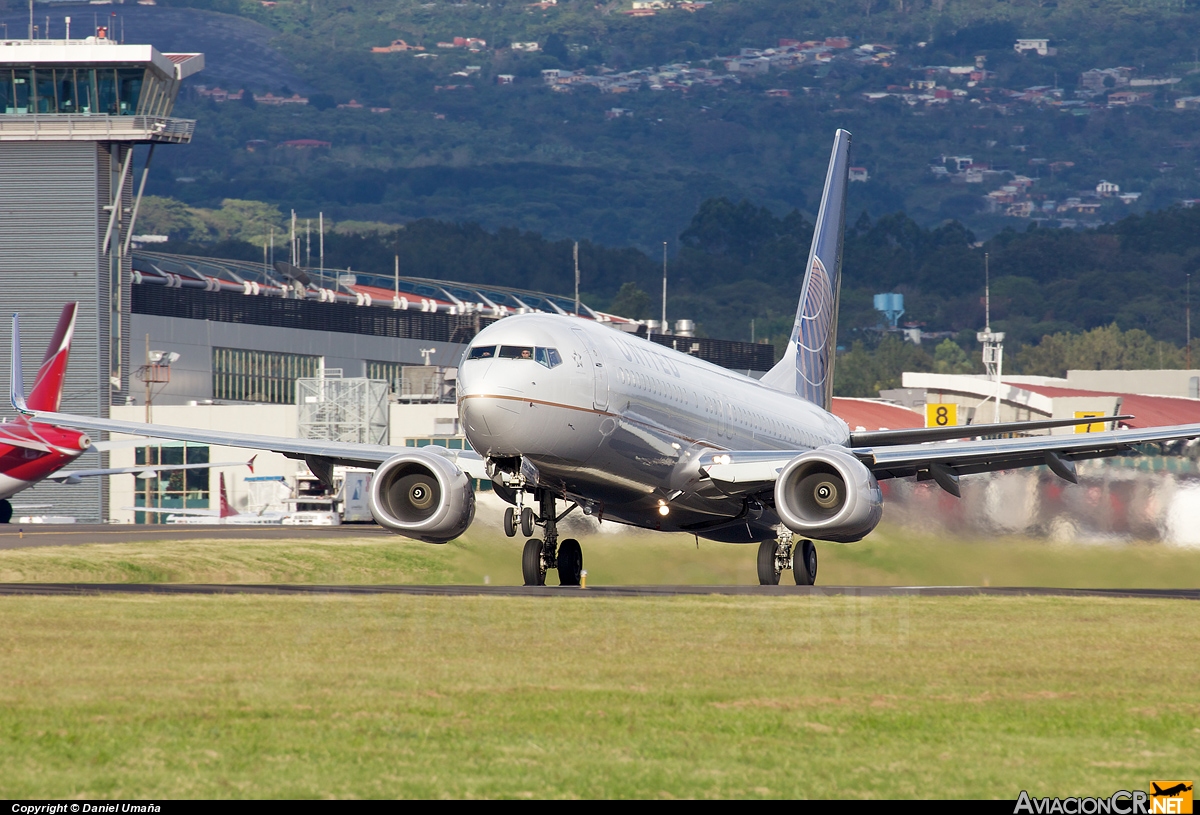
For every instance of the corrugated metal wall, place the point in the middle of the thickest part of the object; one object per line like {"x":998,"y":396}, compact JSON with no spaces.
{"x":51,"y":194}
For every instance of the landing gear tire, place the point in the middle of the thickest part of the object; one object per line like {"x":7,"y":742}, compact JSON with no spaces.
{"x":5,"y":512}
{"x":768,"y":573}
{"x":531,"y":564}
{"x":510,"y":522}
{"x":570,"y":562}
{"x":805,"y":568}
{"x":527,"y":522}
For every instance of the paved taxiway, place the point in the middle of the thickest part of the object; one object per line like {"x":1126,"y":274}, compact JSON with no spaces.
{"x":20,"y":536}
{"x":79,"y":589}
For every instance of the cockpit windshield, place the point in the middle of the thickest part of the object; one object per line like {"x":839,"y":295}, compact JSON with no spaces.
{"x":548,"y":357}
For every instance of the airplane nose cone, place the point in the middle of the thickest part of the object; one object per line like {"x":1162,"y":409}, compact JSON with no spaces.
{"x":490,"y":417}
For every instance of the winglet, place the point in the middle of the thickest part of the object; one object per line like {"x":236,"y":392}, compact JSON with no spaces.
{"x":16,"y":381}
{"x":250,"y":464}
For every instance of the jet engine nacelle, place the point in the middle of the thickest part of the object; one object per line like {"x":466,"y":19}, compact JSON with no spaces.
{"x":829,"y":495}
{"x":422,"y":495}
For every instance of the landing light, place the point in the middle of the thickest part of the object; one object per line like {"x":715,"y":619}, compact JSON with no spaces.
{"x":721,"y":459}
{"x":663,"y":509}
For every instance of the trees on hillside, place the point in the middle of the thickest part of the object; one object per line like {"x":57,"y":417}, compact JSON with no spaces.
{"x":1101,"y":349}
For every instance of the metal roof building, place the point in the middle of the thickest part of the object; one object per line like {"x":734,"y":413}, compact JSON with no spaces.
{"x":221,"y":316}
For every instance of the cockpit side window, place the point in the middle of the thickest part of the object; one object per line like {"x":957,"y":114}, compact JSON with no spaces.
{"x":548,"y":357}
{"x":516,"y":352}
{"x":482,"y":352}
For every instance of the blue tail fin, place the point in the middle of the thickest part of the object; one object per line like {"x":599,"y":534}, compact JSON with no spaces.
{"x":807,"y":366}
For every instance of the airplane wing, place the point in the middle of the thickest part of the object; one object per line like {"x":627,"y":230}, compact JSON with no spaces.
{"x":320,"y":455}
{"x":145,"y":471}
{"x":340,"y":453}
{"x":337,"y":452}
{"x":750,"y":472}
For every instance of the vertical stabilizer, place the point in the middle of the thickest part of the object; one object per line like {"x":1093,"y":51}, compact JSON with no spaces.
{"x":807,"y":366}
{"x":226,"y":510}
{"x":47,"y":388}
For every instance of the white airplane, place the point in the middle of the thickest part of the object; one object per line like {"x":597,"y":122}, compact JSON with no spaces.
{"x":559,"y":408}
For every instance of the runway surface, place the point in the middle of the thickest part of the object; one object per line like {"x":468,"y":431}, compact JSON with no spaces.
{"x":20,"y":536}
{"x":81,"y":589}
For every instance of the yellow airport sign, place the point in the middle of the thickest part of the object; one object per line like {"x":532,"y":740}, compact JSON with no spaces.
{"x":941,"y":414}
{"x":1093,"y":427}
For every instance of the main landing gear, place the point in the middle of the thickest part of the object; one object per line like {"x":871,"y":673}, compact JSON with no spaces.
{"x":774,"y":556}
{"x":540,"y":556}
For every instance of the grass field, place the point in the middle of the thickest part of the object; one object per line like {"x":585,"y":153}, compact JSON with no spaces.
{"x":409,"y":696}
{"x":515,"y":697}
{"x":891,"y":556}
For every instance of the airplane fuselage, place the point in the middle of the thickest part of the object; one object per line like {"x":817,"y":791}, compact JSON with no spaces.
{"x":23,"y":466}
{"x":618,"y":423}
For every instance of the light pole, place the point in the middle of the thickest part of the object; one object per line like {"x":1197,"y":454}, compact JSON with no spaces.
{"x":156,"y":371}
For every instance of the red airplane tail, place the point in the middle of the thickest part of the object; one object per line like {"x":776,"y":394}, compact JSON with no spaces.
{"x":226,"y":509}
{"x":47,"y":388}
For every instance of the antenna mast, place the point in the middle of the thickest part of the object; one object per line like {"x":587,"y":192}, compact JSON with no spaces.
{"x":663,"y":329}
{"x":992,"y":341}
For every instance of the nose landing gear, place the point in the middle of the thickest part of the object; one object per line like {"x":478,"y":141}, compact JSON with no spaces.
{"x":539,"y":556}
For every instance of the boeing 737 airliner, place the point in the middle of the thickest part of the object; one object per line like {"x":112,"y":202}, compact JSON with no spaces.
{"x":558,"y":408}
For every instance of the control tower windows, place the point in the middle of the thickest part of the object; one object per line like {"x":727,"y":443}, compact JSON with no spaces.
{"x":15,"y":90}
{"x":112,"y":91}
{"x":64,"y":85}
{"x":44,"y":88}
{"x":130,"y":88}
{"x":106,"y":91}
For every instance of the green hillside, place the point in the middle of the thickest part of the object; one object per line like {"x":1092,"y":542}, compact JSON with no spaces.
{"x":465,"y":148}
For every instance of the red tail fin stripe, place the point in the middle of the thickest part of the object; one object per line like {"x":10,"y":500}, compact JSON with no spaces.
{"x":47,"y":388}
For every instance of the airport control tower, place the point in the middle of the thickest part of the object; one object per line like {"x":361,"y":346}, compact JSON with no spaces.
{"x":71,"y":112}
